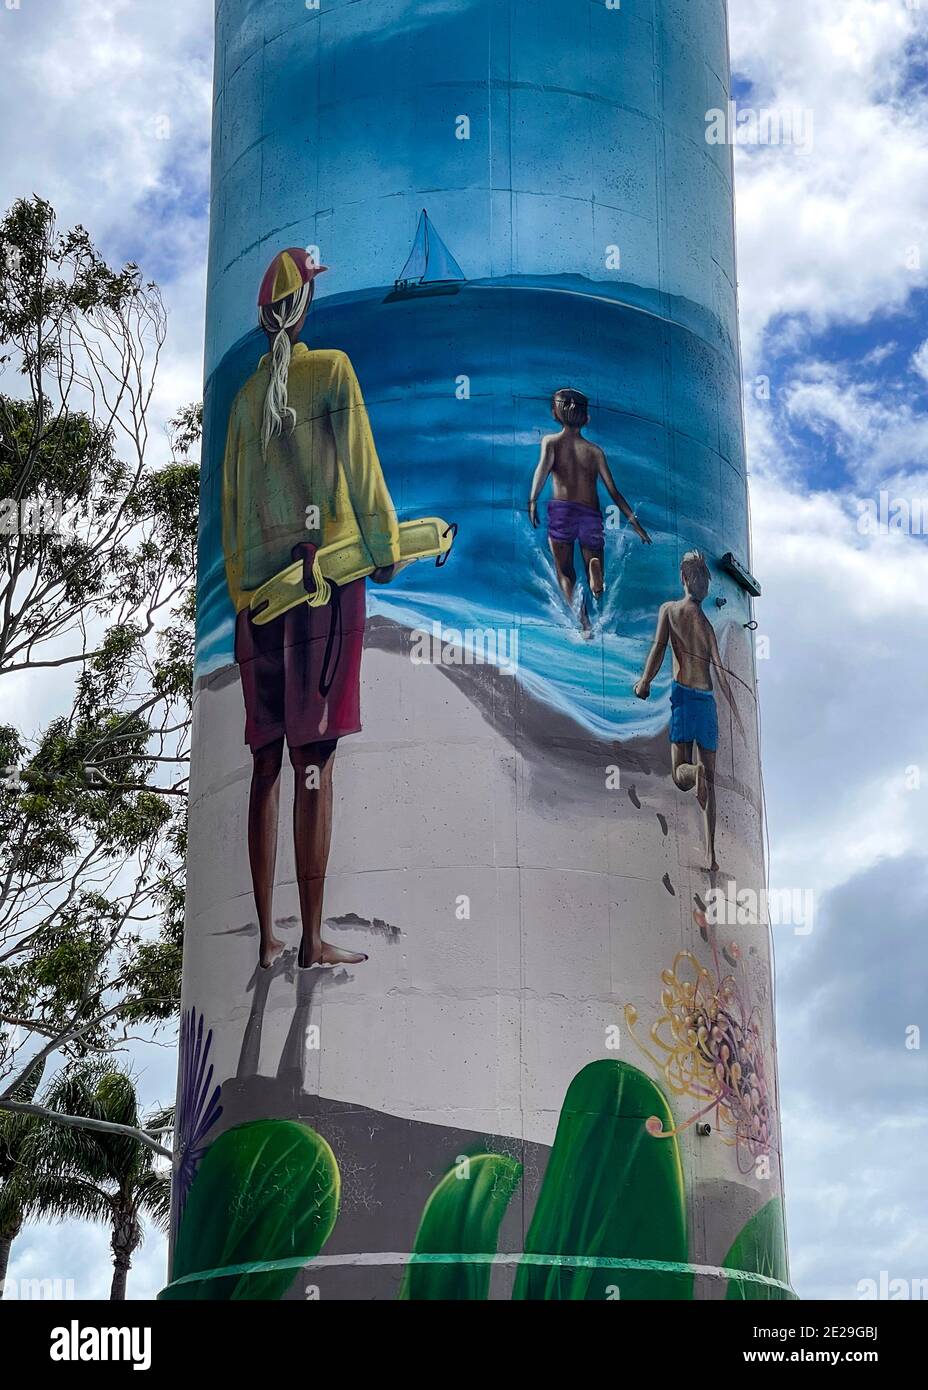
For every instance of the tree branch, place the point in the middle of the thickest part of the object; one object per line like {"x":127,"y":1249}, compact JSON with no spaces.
{"x":40,"y":1112}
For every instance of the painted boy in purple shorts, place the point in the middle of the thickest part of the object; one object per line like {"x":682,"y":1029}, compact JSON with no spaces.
{"x":576,"y":467}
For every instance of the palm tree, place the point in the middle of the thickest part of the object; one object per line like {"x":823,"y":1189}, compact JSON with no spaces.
{"x":103,"y":1177}
{"x":17,"y":1186}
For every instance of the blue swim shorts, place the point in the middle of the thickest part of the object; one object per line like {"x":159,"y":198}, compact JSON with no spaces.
{"x":693,"y":717}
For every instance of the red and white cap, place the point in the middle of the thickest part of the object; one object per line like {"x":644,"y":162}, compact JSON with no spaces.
{"x":287,"y":272}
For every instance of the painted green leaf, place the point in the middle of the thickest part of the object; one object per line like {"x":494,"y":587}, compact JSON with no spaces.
{"x":264,"y":1191}
{"x":611,"y":1191}
{"x":760,"y":1249}
{"x":462,"y":1217}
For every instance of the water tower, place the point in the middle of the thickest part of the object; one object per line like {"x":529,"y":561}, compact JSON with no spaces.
{"x":477,"y":982}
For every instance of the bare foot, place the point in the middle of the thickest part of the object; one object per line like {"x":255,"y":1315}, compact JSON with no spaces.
{"x":270,"y":950}
{"x":702,"y":786}
{"x":329,"y":955}
{"x":597,"y":584}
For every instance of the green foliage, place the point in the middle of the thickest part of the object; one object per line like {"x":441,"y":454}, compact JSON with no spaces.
{"x":77,"y":332}
{"x":17,"y":1174}
{"x":264,"y":1191}
{"x":93,"y":1175}
{"x":462,"y":1216}
{"x":172,"y":673}
{"x":30,"y":295}
{"x":77,"y":951}
{"x":49,"y":1171}
{"x":760,"y":1248}
{"x":611,"y":1191}
{"x":93,"y":806}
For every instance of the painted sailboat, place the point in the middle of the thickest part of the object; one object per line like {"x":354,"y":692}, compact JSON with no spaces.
{"x":430,"y":267}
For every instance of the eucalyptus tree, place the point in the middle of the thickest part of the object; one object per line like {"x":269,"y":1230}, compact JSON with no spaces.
{"x":98,"y":520}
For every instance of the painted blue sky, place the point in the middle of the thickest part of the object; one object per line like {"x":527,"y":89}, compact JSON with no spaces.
{"x":833,"y":313}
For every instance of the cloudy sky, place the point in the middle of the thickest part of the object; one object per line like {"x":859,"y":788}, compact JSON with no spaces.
{"x":109,"y":102}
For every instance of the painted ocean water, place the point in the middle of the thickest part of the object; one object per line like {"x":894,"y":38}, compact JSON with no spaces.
{"x":458,"y":388}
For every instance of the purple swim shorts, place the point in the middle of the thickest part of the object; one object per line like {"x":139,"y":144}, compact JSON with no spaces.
{"x":574,"y":521}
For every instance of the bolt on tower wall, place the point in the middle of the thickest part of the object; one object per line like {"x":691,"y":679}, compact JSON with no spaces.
{"x":477,"y":985}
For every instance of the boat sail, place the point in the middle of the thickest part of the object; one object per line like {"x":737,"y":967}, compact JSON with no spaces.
{"x":430,"y":267}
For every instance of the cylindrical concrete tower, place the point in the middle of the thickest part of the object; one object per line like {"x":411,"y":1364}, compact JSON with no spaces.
{"x":477,"y":984}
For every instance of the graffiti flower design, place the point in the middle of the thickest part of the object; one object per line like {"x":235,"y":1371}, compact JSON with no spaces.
{"x":198,"y":1106}
{"x":706,"y":1044}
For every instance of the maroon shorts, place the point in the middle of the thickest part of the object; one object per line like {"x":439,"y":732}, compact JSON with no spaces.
{"x":301,"y":674}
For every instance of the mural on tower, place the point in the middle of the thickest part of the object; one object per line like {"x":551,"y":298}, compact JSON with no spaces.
{"x":473,"y":462}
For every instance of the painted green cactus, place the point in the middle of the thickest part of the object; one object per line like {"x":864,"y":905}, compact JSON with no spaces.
{"x":610,"y":1220}
{"x":612,"y":1207}
{"x":611,"y":1192}
{"x":760,"y":1248}
{"x":462,"y":1217}
{"x":265,"y":1193}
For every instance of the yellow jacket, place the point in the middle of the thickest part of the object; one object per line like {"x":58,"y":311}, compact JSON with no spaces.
{"x":328,"y":460}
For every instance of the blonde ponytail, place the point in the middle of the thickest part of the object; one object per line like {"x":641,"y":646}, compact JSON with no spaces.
{"x":276,"y":319}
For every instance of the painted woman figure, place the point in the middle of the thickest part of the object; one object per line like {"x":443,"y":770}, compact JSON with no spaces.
{"x":300,"y":472}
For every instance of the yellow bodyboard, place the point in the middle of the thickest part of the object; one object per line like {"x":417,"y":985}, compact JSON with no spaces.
{"x":429,"y":538}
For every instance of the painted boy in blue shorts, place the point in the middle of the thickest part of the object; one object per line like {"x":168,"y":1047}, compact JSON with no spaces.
{"x":694,"y":725}
{"x":576,"y":467}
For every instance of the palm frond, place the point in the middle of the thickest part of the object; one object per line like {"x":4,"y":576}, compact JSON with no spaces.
{"x":99,"y":1092}
{"x":64,"y":1197}
{"x":163,"y":1119}
{"x":14,"y":1127}
{"x":60,"y":1172}
{"x":26,"y":1087}
{"x":12,"y":1207}
{"x":153,"y":1196}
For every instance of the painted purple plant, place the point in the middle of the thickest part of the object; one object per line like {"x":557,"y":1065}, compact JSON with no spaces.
{"x":198,"y":1106}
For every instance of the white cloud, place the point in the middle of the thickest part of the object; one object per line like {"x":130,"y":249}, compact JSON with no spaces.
{"x":824,"y":233}
{"x":109,"y":108}
{"x":95,"y":79}
{"x":878,"y":355}
{"x":841,"y":693}
{"x":920,"y":360}
{"x":823,"y":240}
{"x":76,"y":1257}
{"x":877,"y":427}
{"x":852,"y":1084}
{"x":849,"y":1217}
